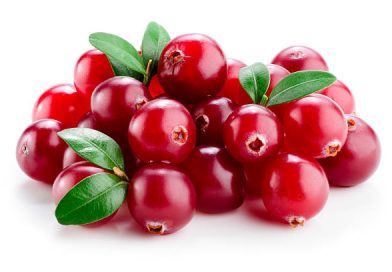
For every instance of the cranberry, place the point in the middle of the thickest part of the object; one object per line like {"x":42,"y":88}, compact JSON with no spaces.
{"x":161,"y":198}
{"x":252,"y":173}
{"x":277,"y":73}
{"x":155,"y":88}
{"x":191,"y":67}
{"x":342,"y":95}
{"x":115,"y":101}
{"x":315,"y":126}
{"x":70,"y":157}
{"x":293,"y":188}
{"x":92,"y":68}
{"x":251,"y":133}
{"x":232,"y":88}
{"x":297,"y":58}
{"x":71,"y":176}
{"x":209,"y":116}
{"x":222,"y":189}
{"x":359,"y":157}
{"x":62,"y":103}
{"x":88,"y":121}
{"x":163,"y":130}
{"x":39,"y":151}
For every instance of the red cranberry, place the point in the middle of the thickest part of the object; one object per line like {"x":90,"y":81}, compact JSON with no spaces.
{"x":232,"y":88}
{"x":251,"y":133}
{"x":62,"y":103}
{"x":342,"y":95}
{"x":115,"y":101}
{"x":92,"y":68}
{"x":163,"y":130}
{"x":222,"y":189}
{"x":359,"y":157}
{"x":39,"y":151}
{"x":315,"y":126}
{"x":293,"y":188}
{"x":191,"y":67}
{"x":71,"y":176}
{"x":277,"y":73}
{"x":161,"y":198}
{"x":155,"y":88}
{"x":297,"y":58}
{"x":88,"y":121}
{"x":209,"y":116}
{"x":252,"y":173}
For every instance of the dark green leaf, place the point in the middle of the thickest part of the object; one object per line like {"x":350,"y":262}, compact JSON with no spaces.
{"x":121,"y":70}
{"x":299,"y":84}
{"x":255,"y":79}
{"x":94,"y":146}
{"x":119,"y":49}
{"x":92,"y":199}
{"x":154,"y":40}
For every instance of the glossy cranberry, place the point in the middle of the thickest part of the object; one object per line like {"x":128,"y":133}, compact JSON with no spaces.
{"x":298,"y":58}
{"x":39,"y":151}
{"x":88,"y":121}
{"x":163,"y":130}
{"x":293,"y":188}
{"x":277,"y":73}
{"x":251,"y":133}
{"x":92,"y":68}
{"x":191,"y":67}
{"x":71,"y":176}
{"x":62,"y":103}
{"x":209,"y":116}
{"x":359,"y":157}
{"x":115,"y":101}
{"x":342,"y":95}
{"x":222,"y":188}
{"x":155,"y":88}
{"x":315,"y":126}
{"x":161,"y":198}
{"x":253,"y":172}
{"x":232,"y":88}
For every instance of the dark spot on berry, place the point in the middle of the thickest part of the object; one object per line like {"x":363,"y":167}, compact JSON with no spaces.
{"x":155,"y":228}
{"x":256,"y":144}
{"x":179,"y":135}
{"x":202,"y":122}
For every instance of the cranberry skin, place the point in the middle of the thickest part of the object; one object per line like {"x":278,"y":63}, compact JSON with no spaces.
{"x":359,"y":157}
{"x":115,"y":101}
{"x":88,"y":121}
{"x":222,"y":189}
{"x":342,"y":95}
{"x":252,"y":173}
{"x":298,"y":58}
{"x":191,"y":67}
{"x":277,"y":73}
{"x":62,"y":103}
{"x":293,"y":188}
{"x":92,"y":68}
{"x":161,"y":198}
{"x":163,"y":130}
{"x":251,"y":133}
{"x":39,"y":150}
{"x":155,"y":88}
{"x":315,"y":126}
{"x":209,"y":116}
{"x":232,"y":88}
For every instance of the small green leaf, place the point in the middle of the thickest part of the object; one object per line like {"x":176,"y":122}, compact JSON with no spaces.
{"x":121,"y":70}
{"x":94,"y":146}
{"x":255,"y":79}
{"x":92,"y":199}
{"x":299,"y":84}
{"x":118,"y":49}
{"x":154,"y":40}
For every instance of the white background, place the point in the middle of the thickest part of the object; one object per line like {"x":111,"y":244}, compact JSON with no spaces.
{"x":40,"y":42}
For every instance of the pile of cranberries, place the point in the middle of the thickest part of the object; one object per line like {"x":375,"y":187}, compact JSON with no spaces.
{"x":193,"y":139}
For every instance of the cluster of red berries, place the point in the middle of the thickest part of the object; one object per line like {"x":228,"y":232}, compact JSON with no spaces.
{"x":193,"y":138}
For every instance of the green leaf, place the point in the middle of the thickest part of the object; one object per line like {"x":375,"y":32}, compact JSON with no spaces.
{"x":94,"y":146}
{"x":154,"y":40}
{"x":121,"y":70}
{"x":299,"y":84}
{"x":118,"y":49}
{"x":92,"y":199}
{"x":255,"y":79}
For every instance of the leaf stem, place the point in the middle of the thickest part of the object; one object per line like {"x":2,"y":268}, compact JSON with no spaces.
{"x":147,"y":73}
{"x":264,"y":101}
{"x":120,"y":173}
